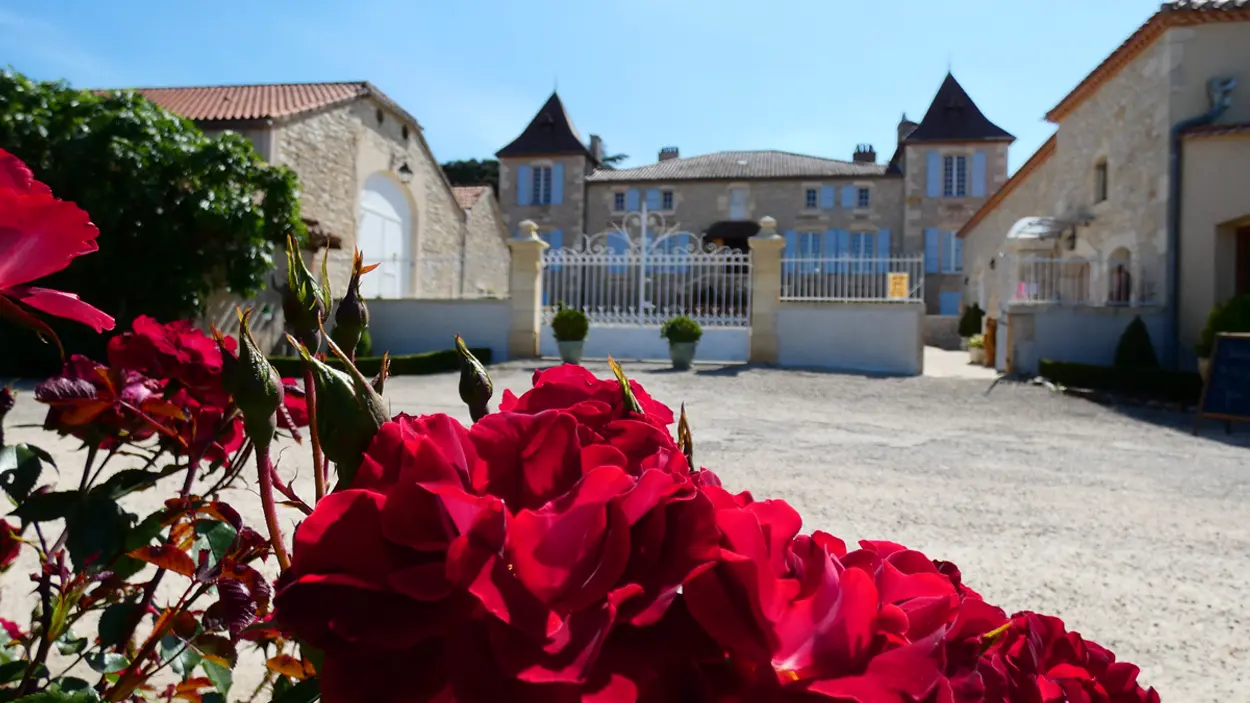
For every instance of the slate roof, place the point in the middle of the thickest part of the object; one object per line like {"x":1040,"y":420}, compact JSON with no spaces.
{"x":731,"y":165}
{"x":551,"y":132}
{"x":953,"y":117}
{"x":466,"y":196}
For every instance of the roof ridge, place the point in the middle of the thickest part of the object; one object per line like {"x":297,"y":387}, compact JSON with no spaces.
{"x":361,"y":83}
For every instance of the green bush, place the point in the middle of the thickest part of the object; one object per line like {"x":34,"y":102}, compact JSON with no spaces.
{"x":1232,"y":315}
{"x":681,"y":330}
{"x":1135,"y":350}
{"x":976,"y":341}
{"x":1156,"y":384}
{"x":411,"y":365}
{"x":970,"y":322}
{"x":569,"y":324}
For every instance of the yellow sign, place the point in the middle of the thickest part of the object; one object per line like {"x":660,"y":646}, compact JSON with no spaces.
{"x":899,"y":287}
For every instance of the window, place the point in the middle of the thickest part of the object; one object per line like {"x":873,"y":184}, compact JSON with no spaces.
{"x":863,"y":198}
{"x":952,"y":253}
{"x":810,"y":199}
{"x":540,"y":194}
{"x":1100,"y":181}
{"x":862,"y":245}
{"x":809,"y":252}
{"x":666,"y":200}
{"x":618,"y":202}
{"x":955,"y":176}
{"x":403,"y":131}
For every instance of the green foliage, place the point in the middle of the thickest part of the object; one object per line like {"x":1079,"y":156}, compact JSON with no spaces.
{"x":1158,"y":384}
{"x":1232,"y":315}
{"x":1135,"y":350}
{"x":970,"y":322}
{"x":180,"y":214}
{"x":614,"y":160}
{"x":412,"y":365}
{"x":365,"y":346}
{"x":569,"y":324}
{"x":473,"y":173}
{"x":976,"y":341}
{"x":681,"y":329}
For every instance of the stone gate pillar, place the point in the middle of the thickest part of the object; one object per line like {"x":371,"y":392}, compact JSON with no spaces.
{"x":526,"y":291}
{"x":765,"y":292}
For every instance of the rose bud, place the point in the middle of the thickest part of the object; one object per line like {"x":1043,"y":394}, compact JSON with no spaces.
{"x":352,"y":317}
{"x":475,"y":386}
{"x":627,"y":392}
{"x":349,"y":412}
{"x":304,"y":301}
{"x":254,"y":384}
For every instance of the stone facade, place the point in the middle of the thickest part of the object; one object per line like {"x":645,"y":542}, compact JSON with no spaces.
{"x":568,"y":216}
{"x":1125,"y":124}
{"x":486,"y":255}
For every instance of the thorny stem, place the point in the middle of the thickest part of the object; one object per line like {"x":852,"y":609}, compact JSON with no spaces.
{"x":290,"y":494}
{"x":310,"y":398}
{"x":130,"y":676}
{"x":265,"y":469}
{"x":45,"y":637}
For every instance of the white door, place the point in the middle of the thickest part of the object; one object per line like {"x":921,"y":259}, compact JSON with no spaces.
{"x":385,"y":238}
{"x":737,"y":203}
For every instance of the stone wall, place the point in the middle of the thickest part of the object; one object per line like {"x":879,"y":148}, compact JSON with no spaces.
{"x":568,"y":216}
{"x":486,"y":255}
{"x":699,"y":204}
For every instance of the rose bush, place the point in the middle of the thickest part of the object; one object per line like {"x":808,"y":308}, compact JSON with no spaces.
{"x":564,"y":548}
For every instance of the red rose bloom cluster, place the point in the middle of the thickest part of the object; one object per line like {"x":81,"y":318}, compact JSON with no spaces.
{"x":563,"y":549}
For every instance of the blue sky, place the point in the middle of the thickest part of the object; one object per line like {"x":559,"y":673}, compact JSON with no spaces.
{"x":810,"y":76}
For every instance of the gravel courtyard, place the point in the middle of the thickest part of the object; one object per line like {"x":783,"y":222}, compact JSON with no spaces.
{"x":1122,"y":523}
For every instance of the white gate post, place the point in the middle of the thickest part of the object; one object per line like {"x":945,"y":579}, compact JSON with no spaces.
{"x":526,"y":291}
{"x":766,"y":249}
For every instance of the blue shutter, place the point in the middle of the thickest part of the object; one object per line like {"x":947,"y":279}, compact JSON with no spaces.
{"x":978,"y":174}
{"x":848,"y":196}
{"x":557,"y":184}
{"x":791,"y":250}
{"x":653,"y":198}
{"x":959,"y":253}
{"x":524,"y":182}
{"x":931,"y":250}
{"x":555,"y":239}
{"x":948,"y":302}
{"x":631,"y":200}
{"x":618,"y":247}
{"x":944,"y":239}
{"x":826,"y":198}
{"x":933,"y":174}
{"x":844,"y":250}
{"x":883,"y":250}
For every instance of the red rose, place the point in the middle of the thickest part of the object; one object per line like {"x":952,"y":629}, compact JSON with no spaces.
{"x":10,"y":544}
{"x":176,"y":351}
{"x":593,"y":401}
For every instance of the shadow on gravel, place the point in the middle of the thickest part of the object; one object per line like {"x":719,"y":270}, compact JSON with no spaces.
{"x":1236,"y":434}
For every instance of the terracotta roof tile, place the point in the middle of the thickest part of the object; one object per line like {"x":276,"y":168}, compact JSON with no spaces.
{"x":466,"y":196}
{"x":739,"y":164}
{"x":251,"y":102}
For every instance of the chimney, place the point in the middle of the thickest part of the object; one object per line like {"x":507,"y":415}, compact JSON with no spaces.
{"x":668,"y":152}
{"x":864,"y":154}
{"x":905,"y":128}
{"x":596,"y":147}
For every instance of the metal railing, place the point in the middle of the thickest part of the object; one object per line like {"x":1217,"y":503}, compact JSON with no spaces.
{"x":852,"y":279}
{"x":1080,"y":281}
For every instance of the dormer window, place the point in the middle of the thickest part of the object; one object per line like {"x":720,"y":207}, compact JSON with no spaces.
{"x":1100,"y":181}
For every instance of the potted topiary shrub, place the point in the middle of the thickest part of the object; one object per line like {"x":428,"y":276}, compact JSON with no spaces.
{"x":970,"y":324}
{"x":1232,"y":315}
{"x":570,"y":327}
{"x":976,"y":349}
{"x":683,"y":335}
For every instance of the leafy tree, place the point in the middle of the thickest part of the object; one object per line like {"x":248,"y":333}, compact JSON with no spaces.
{"x":473,"y":173}
{"x":181,"y":215}
{"x":614,"y":160}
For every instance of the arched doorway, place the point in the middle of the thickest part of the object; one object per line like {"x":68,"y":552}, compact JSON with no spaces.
{"x":1120,"y":277}
{"x":384,"y":235}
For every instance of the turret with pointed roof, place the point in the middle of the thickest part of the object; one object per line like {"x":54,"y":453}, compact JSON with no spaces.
{"x":550,"y":133}
{"x":953,"y":117}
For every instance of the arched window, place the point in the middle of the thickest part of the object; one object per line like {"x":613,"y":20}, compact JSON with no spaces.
{"x":1120,"y":277}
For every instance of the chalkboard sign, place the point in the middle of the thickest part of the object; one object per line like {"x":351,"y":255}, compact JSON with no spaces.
{"x":1226,"y":393}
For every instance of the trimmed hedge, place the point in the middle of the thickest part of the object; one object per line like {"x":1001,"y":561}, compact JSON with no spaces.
{"x":1156,"y":384}
{"x":411,"y":365}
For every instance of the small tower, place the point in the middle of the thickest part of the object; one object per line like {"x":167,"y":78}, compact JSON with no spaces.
{"x":952,"y":161}
{"x":542,"y":175}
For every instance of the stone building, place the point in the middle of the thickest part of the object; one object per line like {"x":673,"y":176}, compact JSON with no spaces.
{"x":1141,"y":198}
{"x":942,"y":170}
{"x":486,"y":249}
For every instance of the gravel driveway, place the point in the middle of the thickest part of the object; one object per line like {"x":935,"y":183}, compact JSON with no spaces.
{"x":1123,"y":524}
